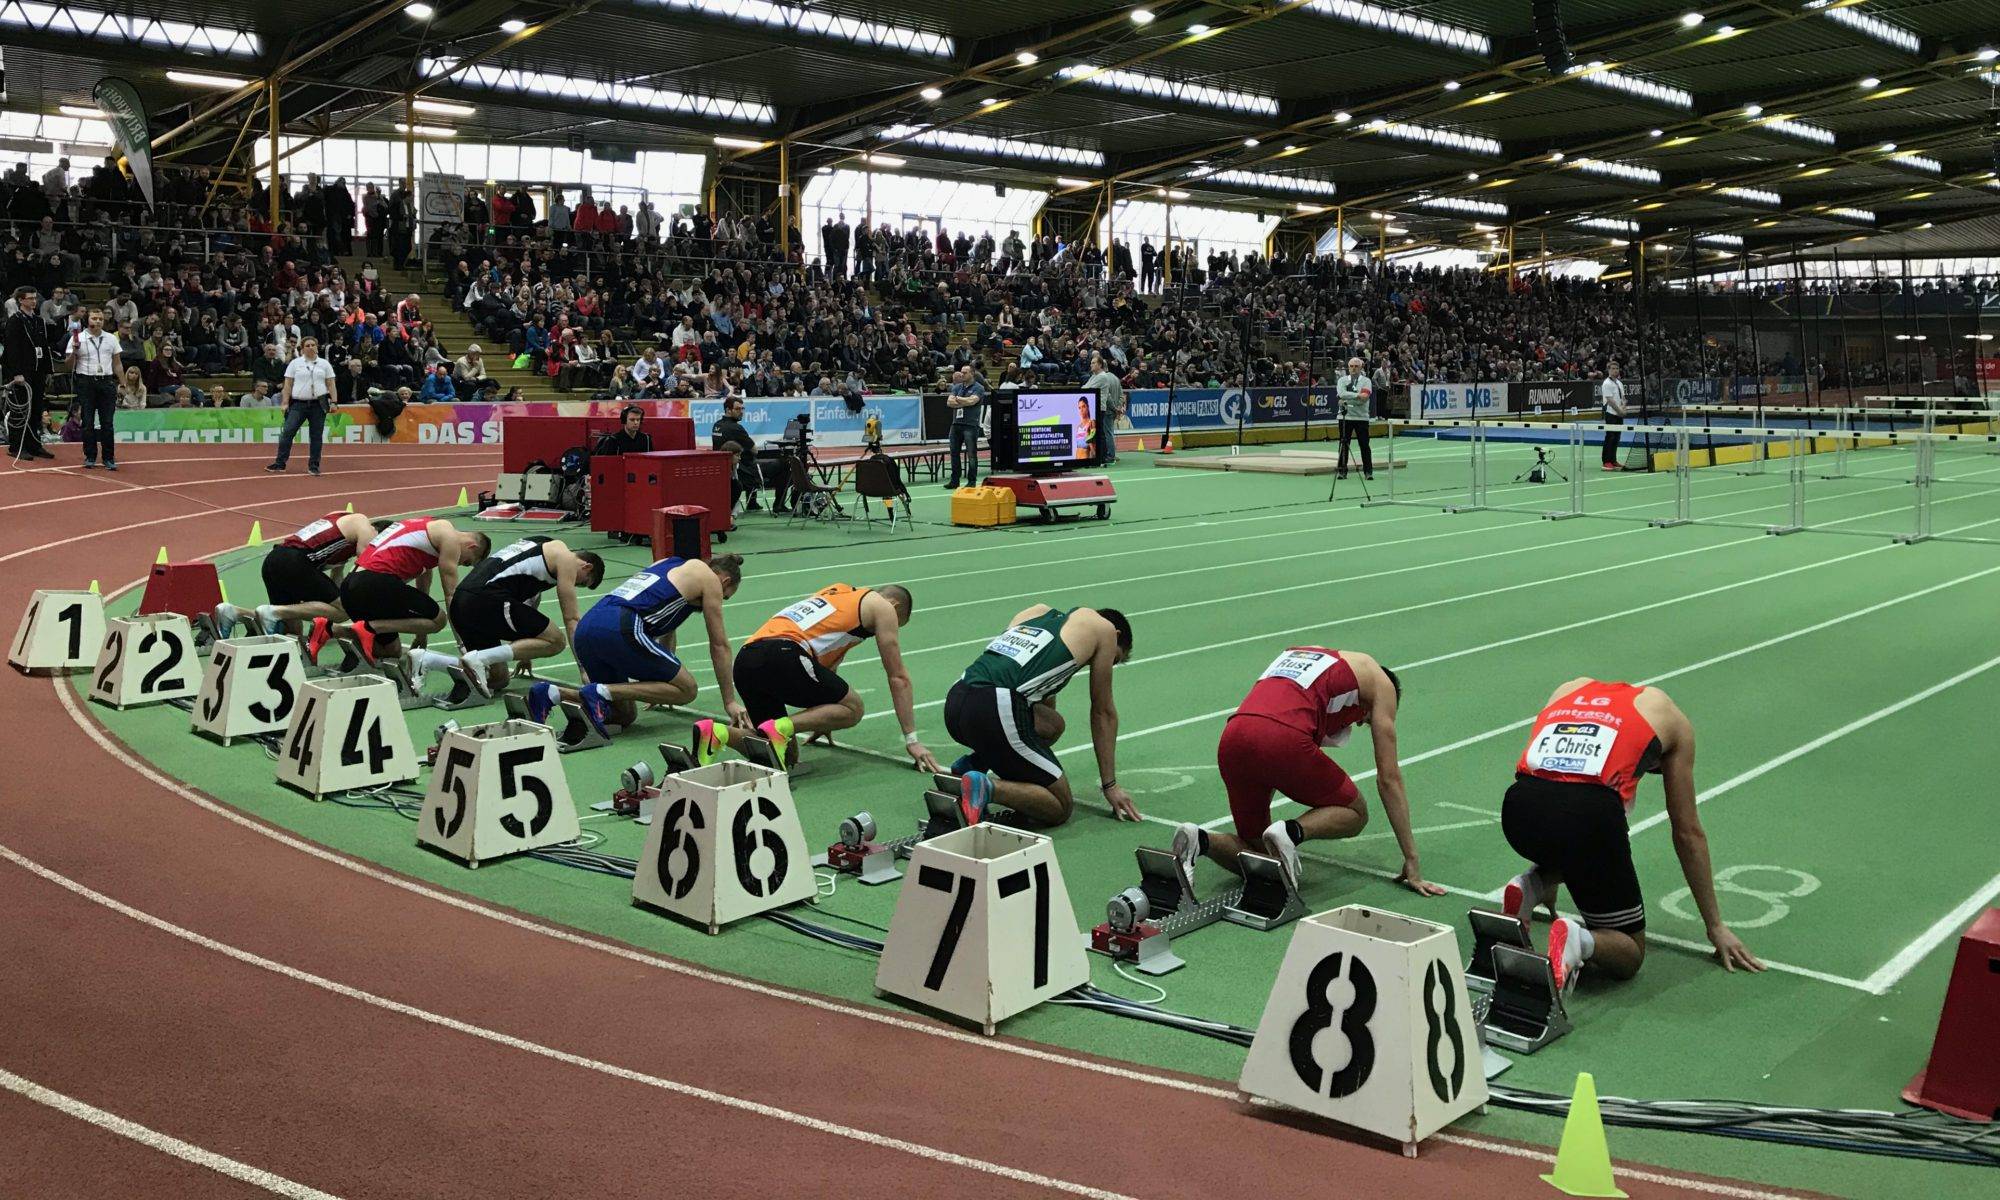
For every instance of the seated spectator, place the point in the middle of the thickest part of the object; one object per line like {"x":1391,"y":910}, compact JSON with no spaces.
{"x":259,"y":396}
{"x":469,"y":371}
{"x":164,"y":373}
{"x":132,"y":389}
{"x":218,"y":396}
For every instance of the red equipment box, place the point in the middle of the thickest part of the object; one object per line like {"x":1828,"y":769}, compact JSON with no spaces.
{"x":1053,"y":493}
{"x":627,"y":488}
{"x":189,"y":589}
{"x":525,"y":440}
{"x":1963,"y":1075}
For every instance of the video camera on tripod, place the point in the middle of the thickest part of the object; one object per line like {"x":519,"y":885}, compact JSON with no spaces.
{"x":1540,"y":470}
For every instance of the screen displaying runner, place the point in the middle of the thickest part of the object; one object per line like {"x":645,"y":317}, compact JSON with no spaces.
{"x":1055,"y":428}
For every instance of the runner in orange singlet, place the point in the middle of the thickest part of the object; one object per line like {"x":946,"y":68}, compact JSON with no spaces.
{"x":1566,"y":813}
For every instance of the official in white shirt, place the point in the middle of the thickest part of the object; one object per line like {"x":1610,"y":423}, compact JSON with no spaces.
{"x":95,"y":366}
{"x":1612,"y":393}
{"x":308,"y":393}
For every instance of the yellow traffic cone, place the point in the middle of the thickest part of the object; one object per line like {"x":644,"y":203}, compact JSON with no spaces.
{"x":94,"y":589}
{"x":350,"y":506}
{"x":256,"y":534}
{"x":161,"y":561}
{"x":1583,"y":1161}
{"x":464,"y":501}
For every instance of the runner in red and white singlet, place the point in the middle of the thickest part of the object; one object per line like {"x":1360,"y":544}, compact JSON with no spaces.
{"x":404,"y":550}
{"x":302,"y":575}
{"x":389,"y":591}
{"x":1574,"y":785}
{"x":1309,"y":697}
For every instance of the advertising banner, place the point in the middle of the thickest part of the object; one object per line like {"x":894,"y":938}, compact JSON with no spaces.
{"x":1554,"y":395}
{"x":125,"y":112}
{"x":1193,"y":408}
{"x":418,"y":424}
{"x":1454,"y":401}
{"x":1293,"y":405}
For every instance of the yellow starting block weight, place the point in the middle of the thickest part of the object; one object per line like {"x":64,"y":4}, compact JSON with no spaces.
{"x":725,"y":844}
{"x":346,"y":733}
{"x":983,"y":928}
{"x":251,"y":686}
{"x":61,"y":632}
{"x":497,"y":790}
{"x":145,"y":660}
{"x":1369,"y":1024}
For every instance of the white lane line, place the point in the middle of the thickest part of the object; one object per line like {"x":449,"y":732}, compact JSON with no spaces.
{"x":1891,"y":973}
{"x":196,"y":516}
{"x":1824,"y":739}
{"x":120,"y":488}
{"x":819,"y":1003}
{"x":153,"y":1139}
{"x":691,"y":1091}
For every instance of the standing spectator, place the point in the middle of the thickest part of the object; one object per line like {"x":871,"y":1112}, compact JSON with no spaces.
{"x":308,"y":390}
{"x":340,"y":217}
{"x":1612,"y":394}
{"x":966,"y":400}
{"x":1356,"y":392}
{"x":1110,"y":406}
{"x":27,"y":358}
{"x":94,"y":365}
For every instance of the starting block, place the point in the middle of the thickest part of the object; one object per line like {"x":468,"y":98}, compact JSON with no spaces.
{"x":461,"y":694}
{"x":727,"y":845}
{"x":984,"y":928}
{"x":1518,"y":1005}
{"x":497,"y":791}
{"x":637,"y":786}
{"x":346,"y":733}
{"x":61,"y":632}
{"x":1369,"y":1024}
{"x":249,"y":687}
{"x":1141,"y":922}
{"x":577,"y":732}
{"x":756,"y":749}
{"x":146,"y":659}
{"x":855,"y":851}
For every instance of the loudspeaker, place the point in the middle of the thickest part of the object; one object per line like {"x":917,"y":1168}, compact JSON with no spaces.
{"x":1549,"y":36}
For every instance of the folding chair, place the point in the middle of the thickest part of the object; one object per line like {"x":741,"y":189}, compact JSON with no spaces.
{"x":877,"y":477}
{"x":811,"y":500}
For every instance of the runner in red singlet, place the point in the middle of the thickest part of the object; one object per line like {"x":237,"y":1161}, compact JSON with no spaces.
{"x":1308,"y":698}
{"x":389,"y":591}
{"x":302,"y":575}
{"x":1566,"y":813}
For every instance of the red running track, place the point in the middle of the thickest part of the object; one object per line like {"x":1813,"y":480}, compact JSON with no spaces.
{"x":218,"y":1009}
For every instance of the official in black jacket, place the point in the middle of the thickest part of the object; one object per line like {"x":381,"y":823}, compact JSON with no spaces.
{"x":26,"y":346}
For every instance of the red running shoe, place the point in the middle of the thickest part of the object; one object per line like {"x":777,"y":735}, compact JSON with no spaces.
{"x":322,"y":633}
{"x":364,"y":637}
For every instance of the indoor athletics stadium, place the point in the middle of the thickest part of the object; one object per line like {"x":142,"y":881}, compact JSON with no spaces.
{"x":1191,"y":598}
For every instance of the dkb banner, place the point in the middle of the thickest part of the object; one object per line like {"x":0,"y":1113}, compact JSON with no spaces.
{"x":1458,"y":400}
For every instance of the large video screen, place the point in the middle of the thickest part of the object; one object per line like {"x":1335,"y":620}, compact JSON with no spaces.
{"x":1054,"y":428}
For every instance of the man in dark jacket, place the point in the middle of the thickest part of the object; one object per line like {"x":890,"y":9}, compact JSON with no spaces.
{"x":26,"y":346}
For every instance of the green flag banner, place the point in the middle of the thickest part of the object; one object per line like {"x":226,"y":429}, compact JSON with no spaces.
{"x":120,"y":103}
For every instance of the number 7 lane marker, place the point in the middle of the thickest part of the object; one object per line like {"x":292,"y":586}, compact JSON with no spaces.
{"x":688,"y":1090}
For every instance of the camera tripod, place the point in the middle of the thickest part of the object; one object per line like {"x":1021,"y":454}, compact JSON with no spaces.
{"x":1540,"y":470}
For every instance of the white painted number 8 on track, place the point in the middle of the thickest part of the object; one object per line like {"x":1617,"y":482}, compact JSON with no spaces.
{"x":1776,"y":906}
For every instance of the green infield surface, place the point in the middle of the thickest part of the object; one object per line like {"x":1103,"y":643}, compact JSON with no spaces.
{"x":1842,"y":689}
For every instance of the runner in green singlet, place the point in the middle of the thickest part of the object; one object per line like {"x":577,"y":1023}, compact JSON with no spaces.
{"x":1003,"y":711}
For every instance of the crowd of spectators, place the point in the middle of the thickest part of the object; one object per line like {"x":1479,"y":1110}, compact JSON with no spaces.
{"x":622,"y":302}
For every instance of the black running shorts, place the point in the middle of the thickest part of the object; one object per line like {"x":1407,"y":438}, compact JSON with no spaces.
{"x":1578,"y":830}
{"x":373,"y":596}
{"x":998,"y":726}
{"x":776,"y":674}
{"x":291,"y":577}
{"x":484,"y":619}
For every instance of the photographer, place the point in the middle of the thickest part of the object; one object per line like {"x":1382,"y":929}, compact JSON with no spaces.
{"x":728,"y":434}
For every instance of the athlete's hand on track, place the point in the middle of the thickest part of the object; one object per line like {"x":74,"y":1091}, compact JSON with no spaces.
{"x":1413,"y":879}
{"x":924,"y":759}
{"x":739,"y":716}
{"x":1121,"y":803}
{"x":1731,"y":951}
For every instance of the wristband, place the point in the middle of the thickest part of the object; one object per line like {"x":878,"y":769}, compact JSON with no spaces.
{"x":1108,"y":784}
{"x":911,"y":739}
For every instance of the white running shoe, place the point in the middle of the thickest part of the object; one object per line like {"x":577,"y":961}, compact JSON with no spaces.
{"x":476,"y":676}
{"x":1187,"y":848}
{"x":227,"y":616}
{"x":1565,"y":950}
{"x":1282,"y":848}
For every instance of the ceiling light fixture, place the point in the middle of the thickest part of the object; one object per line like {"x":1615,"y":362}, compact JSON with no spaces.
{"x":1342,"y":118}
{"x":200,"y":79}
{"x":436,"y":131}
{"x":442,"y":108}
{"x":1451,"y":85}
{"x":1655,"y":132}
{"x":1198,"y":29}
{"x":989,"y":102}
{"x":1888,"y":147}
{"x":1065,"y":181}
{"x":421,"y":12}
{"x":1555,"y":156}
{"x":1251,"y":142}
{"x":1472,"y":176}
{"x":1753,"y":110}
{"x":931,"y":93}
{"x":1027,"y":58}
{"x":886,"y":160}
{"x":1691,"y":19}
{"x":1870,"y":83}
{"x":1142,"y":16}
{"x":513,"y":25}
{"x":737,"y":143}
{"x":85,"y":111}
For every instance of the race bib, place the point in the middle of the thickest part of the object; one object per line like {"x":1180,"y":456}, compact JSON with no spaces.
{"x":808,"y":612}
{"x":1571,"y":748}
{"x":1021,"y":644}
{"x":1302,"y":667}
{"x":314,"y":530}
{"x":636,"y":585}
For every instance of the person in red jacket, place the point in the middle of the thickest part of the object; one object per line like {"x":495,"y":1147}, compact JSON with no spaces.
{"x":1308,"y":698}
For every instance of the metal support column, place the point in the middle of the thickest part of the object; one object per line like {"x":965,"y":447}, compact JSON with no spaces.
{"x":271,"y":102}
